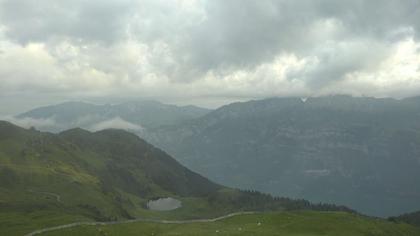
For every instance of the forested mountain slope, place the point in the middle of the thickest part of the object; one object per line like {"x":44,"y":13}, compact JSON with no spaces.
{"x":361,"y":152}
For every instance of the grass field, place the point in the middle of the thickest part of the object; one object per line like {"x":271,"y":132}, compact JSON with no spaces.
{"x":305,"y":223}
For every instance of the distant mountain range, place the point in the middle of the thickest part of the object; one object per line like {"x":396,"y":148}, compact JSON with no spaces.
{"x":361,"y":152}
{"x":133,"y":116}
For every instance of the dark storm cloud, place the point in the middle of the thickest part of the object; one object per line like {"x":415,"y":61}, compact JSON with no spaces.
{"x":243,"y":33}
{"x":33,"y":20}
{"x":238,"y":33}
{"x":212,"y":48}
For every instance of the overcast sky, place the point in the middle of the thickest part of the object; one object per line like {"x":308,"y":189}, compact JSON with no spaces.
{"x":205,"y":52}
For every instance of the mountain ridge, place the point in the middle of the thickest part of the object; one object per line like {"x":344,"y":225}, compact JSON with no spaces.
{"x":326,"y":142}
{"x":133,"y":115}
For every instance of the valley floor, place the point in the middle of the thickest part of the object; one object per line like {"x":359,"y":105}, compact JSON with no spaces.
{"x":302,"y":223}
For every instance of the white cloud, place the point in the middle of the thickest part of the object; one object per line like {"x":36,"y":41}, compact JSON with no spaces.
{"x":116,"y":123}
{"x":30,"y":122}
{"x":398,"y":75}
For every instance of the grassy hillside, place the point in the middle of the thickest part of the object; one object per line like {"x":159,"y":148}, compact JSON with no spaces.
{"x":52,"y":179}
{"x":409,"y":218}
{"x":284,"y":223}
{"x":48,"y":179}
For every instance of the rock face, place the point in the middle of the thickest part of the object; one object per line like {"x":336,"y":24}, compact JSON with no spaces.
{"x":362,"y":152}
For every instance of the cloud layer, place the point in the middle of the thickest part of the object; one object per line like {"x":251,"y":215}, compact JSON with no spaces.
{"x":30,"y":122}
{"x":116,"y":123}
{"x":202,"y":49}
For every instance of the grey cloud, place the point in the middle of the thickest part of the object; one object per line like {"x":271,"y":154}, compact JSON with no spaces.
{"x":374,"y":18}
{"x":234,"y":34}
{"x":337,"y":60}
{"x":198,"y":48}
{"x":245,"y":33}
{"x":32,"y":20}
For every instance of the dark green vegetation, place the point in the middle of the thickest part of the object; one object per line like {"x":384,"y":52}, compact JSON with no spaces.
{"x":360,"y":152}
{"x":147,"y":114}
{"x":52,"y":179}
{"x":409,"y":218}
{"x":286,"y":223}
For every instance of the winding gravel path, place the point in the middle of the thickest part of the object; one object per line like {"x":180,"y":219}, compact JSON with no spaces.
{"x":40,"y":231}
